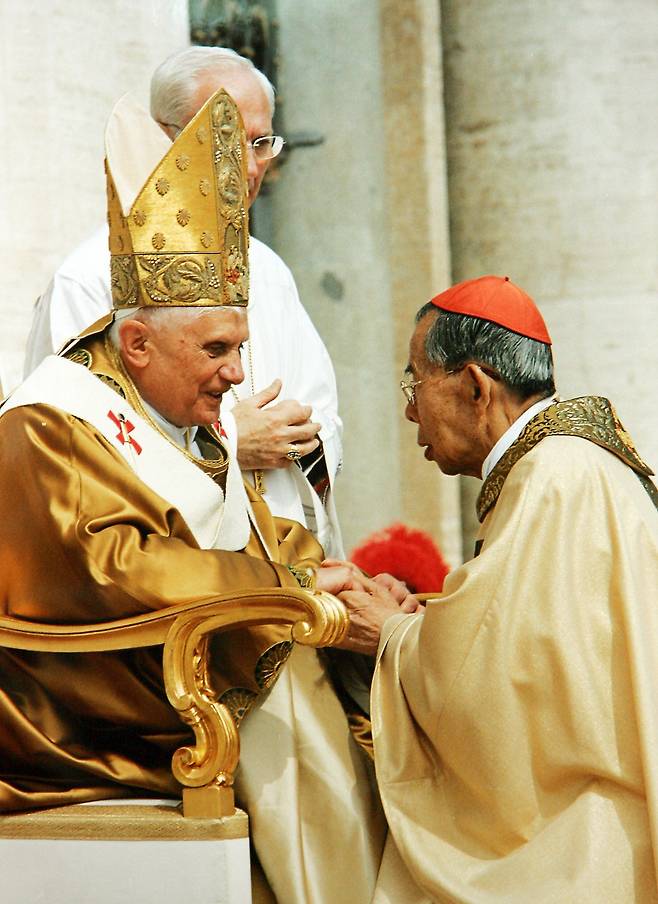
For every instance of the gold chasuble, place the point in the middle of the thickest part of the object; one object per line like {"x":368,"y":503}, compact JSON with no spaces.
{"x":82,"y":538}
{"x":516,"y":721}
{"x":103,"y":515}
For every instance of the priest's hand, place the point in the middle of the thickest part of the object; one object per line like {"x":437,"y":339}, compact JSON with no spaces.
{"x":368,"y":611}
{"x":398,"y":589}
{"x":266,"y":435}
{"x":335,"y":577}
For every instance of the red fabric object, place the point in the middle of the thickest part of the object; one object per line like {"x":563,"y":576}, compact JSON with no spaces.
{"x":498,"y":300}
{"x":408,"y":554}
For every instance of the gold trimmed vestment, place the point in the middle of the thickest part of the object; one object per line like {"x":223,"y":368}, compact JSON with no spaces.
{"x":515,"y":721}
{"x":84,"y":539}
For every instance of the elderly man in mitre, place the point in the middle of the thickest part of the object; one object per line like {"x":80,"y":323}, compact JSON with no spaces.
{"x":119,"y":497}
{"x":514,"y":717}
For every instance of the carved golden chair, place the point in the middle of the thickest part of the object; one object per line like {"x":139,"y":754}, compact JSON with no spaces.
{"x":205,"y":769}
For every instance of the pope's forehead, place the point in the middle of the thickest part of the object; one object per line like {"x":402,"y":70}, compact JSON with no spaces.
{"x":225,"y":318}
{"x":211,"y":322}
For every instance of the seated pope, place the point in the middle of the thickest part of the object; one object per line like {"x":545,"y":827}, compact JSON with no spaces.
{"x":119,"y":497}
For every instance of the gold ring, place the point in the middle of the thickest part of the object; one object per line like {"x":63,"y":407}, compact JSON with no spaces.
{"x":293,"y":454}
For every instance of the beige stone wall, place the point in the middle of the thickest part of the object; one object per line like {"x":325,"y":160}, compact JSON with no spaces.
{"x":553,"y":172}
{"x":362,"y":222}
{"x":64,"y":65}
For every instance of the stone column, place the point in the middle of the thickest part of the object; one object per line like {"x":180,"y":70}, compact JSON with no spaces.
{"x":553,"y":180}
{"x":362,"y":222}
{"x":64,"y":66}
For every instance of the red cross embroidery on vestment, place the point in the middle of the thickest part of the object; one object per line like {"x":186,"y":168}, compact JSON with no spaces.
{"x":125,"y":427}
{"x":218,"y":427}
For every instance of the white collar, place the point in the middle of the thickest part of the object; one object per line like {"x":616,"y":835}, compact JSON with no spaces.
{"x":183,"y":437}
{"x":512,"y":433}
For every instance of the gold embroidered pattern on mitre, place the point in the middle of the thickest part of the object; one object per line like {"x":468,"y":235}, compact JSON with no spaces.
{"x":195,"y":251}
{"x":589,"y":417}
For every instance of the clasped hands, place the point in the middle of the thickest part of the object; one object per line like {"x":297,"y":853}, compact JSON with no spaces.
{"x":267,"y":434}
{"x":369,"y":601}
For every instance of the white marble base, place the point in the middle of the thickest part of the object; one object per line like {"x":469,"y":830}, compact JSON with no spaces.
{"x":123,"y":853}
{"x":117,"y":872}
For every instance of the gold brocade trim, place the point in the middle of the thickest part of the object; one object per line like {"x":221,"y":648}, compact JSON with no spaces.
{"x":124,"y":280}
{"x":305,"y":576}
{"x":589,"y":417}
{"x":112,"y":383}
{"x":271,"y":662}
{"x":238,"y":701}
{"x":80,"y":356}
{"x":178,"y":279}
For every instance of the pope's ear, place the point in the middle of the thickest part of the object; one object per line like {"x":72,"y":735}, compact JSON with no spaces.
{"x":134,"y":342}
{"x":479,"y":384}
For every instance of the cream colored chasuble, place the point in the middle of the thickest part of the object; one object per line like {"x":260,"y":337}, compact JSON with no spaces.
{"x":516,"y":721}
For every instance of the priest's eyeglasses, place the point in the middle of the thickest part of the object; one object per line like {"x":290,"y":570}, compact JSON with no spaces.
{"x":408,"y":387}
{"x":267,"y":146}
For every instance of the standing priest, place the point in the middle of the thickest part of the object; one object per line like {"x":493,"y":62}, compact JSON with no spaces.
{"x":514,"y":719}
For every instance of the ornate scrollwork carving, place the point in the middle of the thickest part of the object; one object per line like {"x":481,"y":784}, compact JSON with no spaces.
{"x":214,"y":757}
{"x":316,"y":619}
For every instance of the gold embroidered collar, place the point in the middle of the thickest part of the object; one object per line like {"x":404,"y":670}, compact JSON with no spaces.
{"x":589,"y":417}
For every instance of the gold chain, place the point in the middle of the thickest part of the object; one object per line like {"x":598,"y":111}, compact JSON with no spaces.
{"x":251,"y":374}
{"x":259,"y":477}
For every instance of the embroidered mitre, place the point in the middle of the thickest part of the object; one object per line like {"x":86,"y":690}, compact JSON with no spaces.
{"x":179,"y":232}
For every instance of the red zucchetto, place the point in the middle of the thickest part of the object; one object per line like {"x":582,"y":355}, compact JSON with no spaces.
{"x":498,"y":300}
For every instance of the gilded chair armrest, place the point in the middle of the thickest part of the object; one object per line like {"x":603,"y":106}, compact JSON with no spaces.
{"x":205,"y":769}
{"x":150,"y":628}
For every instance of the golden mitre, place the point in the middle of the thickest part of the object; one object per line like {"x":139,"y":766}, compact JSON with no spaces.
{"x":179,"y":228}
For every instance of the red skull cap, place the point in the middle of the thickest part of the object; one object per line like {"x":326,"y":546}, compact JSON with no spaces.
{"x":498,"y":300}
